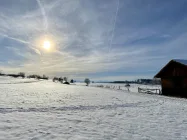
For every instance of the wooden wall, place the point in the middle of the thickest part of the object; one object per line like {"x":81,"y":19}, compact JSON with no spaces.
{"x":176,"y":86}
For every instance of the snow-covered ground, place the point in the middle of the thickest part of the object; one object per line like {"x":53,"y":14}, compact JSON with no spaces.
{"x":46,"y":110}
{"x":132,"y":88}
{"x":10,"y":80}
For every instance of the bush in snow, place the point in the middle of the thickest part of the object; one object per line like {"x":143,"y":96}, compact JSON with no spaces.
{"x":2,"y":74}
{"x":61,"y":79}
{"x":67,"y":83}
{"x":71,"y":81}
{"x":127,"y":86}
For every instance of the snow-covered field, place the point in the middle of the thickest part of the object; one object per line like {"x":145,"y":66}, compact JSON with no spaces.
{"x":9,"y":80}
{"x":133,"y":87}
{"x":46,"y":110}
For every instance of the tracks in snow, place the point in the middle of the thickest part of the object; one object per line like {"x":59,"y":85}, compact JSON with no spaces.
{"x":25,"y":82}
{"x":150,"y":103}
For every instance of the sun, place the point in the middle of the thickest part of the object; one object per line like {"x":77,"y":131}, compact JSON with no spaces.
{"x":46,"y":45}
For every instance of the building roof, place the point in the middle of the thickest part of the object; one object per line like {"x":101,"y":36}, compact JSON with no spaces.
{"x":181,"y":62}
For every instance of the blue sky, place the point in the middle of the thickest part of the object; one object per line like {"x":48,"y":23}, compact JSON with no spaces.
{"x":99,"y":39}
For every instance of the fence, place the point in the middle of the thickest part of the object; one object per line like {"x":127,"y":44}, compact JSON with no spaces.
{"x":149,"y":91}
{"x":109,"y":86}
{"x":125,"y":88}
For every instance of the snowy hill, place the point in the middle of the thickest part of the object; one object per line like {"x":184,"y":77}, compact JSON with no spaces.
{"x":47,"y":110}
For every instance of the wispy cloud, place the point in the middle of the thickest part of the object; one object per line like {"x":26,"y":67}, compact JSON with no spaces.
{"x":31,"y":46}
{"x":92,"y":36}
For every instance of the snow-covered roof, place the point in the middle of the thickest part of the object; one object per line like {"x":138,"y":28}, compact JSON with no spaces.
{"x":182,"y":61}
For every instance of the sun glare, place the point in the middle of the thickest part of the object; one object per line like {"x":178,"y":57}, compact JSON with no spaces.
{"x":46,"y":45}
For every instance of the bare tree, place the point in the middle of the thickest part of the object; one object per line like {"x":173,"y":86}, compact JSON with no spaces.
{"x":61,"y":80}
{"x":87,"y":81}
{"x":45,"y":77}
{"x":1,"y":73}
{"x":21,"y":74}
{"x":65,"y":79}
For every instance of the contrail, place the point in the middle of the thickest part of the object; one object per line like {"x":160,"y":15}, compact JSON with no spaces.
{"x":22,"y":41}
{"x":114,"y":26}
{"x":43,"y":14}
{"x":16,"y":39}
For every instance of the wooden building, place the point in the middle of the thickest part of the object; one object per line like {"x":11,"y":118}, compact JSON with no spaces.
{"x":174,"y":78}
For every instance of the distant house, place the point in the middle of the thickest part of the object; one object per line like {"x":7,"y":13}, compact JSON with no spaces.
{"x":174,"y":78}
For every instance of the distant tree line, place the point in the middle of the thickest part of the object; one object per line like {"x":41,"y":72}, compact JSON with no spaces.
{"x":44,"y":77}
{"x":62,"y":80}
{"x":22,"y":75}
{"x":140,"y":81}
